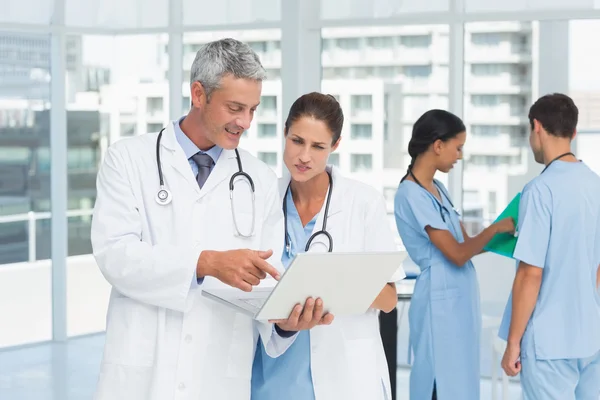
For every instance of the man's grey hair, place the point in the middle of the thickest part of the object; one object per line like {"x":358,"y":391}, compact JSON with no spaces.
{"x":227,"y":56}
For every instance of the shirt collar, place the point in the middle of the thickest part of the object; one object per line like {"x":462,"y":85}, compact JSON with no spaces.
{"x":189,"y":148}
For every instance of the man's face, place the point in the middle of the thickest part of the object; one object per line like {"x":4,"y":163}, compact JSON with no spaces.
{"x":535,"y":142}
{"x":229,"y":111}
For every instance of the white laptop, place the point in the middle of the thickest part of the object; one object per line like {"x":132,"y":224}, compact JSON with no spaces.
{"x":348,"y":283}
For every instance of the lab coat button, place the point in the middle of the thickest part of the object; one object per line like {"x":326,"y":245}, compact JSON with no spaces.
{"x":182,"y":386}
{"x":188,"y":338}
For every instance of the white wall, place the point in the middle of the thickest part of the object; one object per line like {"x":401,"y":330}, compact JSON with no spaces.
{"x":26,"y":300}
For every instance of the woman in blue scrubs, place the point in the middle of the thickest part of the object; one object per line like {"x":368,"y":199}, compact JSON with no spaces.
{"x":344,"y":360}
{"x":444,"y":314}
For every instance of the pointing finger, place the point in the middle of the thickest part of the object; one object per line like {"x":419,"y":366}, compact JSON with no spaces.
{"x":266,"y":267}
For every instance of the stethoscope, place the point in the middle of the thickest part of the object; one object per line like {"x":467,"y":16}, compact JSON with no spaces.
{"x":440,"y":191}
{"x":323,"y":231}
{"x":164,"y":196}
{"x":557,"y":158}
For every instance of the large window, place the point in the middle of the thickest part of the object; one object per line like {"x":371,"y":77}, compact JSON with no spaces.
{"x":498,"y":92}
{"x":584,"y":87}
{"x":116,"y":88}
{"x":498,"y":89}
{"x":337,"y":9}
{"x":25,"y":235}
{"x":384,"y":77}
{"x":117,"y":66}
{"x":230,"y":12}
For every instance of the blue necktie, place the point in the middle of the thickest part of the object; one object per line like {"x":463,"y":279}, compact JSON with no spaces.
{"x":204,"y":163}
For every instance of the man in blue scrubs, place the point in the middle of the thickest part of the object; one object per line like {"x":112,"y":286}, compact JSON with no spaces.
{"x":552,"y":321}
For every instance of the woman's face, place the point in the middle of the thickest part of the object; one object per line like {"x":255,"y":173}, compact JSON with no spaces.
{"x":450,"y":151}
{"x":307,"y":148}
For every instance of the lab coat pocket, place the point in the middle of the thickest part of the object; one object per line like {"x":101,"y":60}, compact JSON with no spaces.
{"x":130,"y":333}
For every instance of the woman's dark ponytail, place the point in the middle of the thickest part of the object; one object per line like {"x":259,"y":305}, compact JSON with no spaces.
{"x":408,"y":170}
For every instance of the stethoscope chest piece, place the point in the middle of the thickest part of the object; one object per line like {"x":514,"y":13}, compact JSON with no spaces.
{"x":163,"y":196}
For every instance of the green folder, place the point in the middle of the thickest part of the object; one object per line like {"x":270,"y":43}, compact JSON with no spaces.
{"x":504,"y":243}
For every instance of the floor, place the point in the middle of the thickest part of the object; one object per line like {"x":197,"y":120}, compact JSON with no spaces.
{"x":68,"y":372}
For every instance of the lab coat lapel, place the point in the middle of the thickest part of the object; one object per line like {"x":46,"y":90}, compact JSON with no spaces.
{"x":174,"y":158}
{"x":224,"y":168}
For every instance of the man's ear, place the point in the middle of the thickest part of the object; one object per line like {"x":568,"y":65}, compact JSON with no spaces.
{"x":198,"y":95}
{"x":537,"y":126}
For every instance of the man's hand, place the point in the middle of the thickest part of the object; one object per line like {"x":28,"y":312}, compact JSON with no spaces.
{"x":238,"y":268}
{"x":510,"y":362}
{"x":307,"y":317}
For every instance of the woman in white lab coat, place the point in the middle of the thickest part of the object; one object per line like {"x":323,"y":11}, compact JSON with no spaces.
{"x":344,"y":360}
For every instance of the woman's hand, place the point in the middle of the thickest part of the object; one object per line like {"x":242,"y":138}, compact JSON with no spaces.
{"x":304,"y":318}
{"x":506,"y":225}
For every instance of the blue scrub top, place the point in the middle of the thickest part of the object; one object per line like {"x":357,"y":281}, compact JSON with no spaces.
{"x":559,"y":231}
{"x":289,"y":375}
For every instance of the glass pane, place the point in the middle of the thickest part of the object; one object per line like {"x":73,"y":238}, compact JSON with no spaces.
{"x":25,"y":235}
{"x":384,"y":77}
{"x":230,"y":12}
{"x":117,"y":14}
{"x":361,"y":131}
{"x":361,"y":163}
{"x":340,"y":9}
{"x":266,"y":131}
{"x":584,"y":87}
{"x":530,"y":5}
{"x":334,"y":159}
{"x":269,"y":158}
{"x":499,"y":79}
{"x":116,"y":89}
{"x":268,"y":106}
{"x":498,"y":87}
{"x":30,"y":12}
